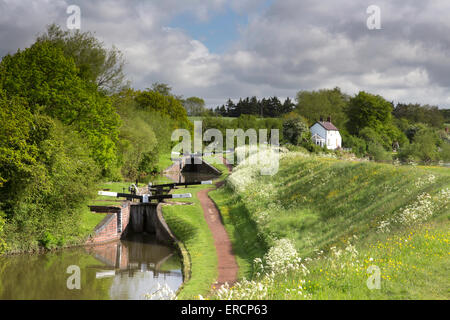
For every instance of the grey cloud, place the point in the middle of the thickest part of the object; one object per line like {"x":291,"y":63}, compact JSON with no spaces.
{"x":290,"y":46}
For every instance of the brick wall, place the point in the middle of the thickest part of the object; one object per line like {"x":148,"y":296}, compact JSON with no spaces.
{"x":107,"y":230}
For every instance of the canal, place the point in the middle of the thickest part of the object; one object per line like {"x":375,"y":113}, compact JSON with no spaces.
{"x":126,"y":270}
{"x":129,"y":269}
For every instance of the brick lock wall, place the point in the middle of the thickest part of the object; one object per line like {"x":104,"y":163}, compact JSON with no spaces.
{"x":108,"y":231}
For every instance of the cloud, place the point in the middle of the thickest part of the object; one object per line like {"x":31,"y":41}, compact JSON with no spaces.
{"x":286,"y":46}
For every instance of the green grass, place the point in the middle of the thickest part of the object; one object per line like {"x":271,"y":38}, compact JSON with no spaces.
{"x":413,"y":264}
{"x":165,"y":161}
{"x":188,"y":224}
{"x":112,"y":187}
{"x":218,"y":164}
{"x":319,"y":203}
{"x":89,"y":220}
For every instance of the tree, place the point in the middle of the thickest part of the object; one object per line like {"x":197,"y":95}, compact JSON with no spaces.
{"x":288,"y":106}
{"x":167,"y":105}
{"x":367,"y":110}
{"x":138,"y":144}
{"x":50,"y":83}
{"x":423,"y":148}
{"x":420,"y":114}
{"x":194,"y":106}
{"x":161,"y":88}
{"x":95,"y":63}
{"x":323,"y":103}
{"x":17,"y":153}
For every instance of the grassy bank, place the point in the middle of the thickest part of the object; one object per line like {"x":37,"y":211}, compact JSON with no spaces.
{"x":326,"y":221}
{"x":188,"y":224}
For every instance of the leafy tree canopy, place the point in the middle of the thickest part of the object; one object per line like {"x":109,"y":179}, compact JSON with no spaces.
{"x":157,"y":102}
{"x":323,"y":103}
{"x":49,"y":82}
{"x":368,"y":110}
{"x":95,"y":63}
{"x":421,"y":114}
{"x":194,"y":106}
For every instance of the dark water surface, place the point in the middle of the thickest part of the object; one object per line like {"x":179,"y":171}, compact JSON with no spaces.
{"x":121,"y":270}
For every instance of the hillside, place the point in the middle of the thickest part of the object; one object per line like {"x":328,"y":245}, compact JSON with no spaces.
{"x":327,"y":220}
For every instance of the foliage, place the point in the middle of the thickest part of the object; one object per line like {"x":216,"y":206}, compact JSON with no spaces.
{"x":420,"y":114}
{"x":161,"y":88}
{"x":266,"y":107}
{"x":138,"y":143}
{"x":3,"y":246}
{"x":48,"y":80}
{"x":195,"y":106}
{"x":314,"y":105}
{"x":378,"y":153}
{"x":367,"y":110}
{"x":166,"y":105}
{"x":445,"y":152}
{"x":94,"y":62}
{"x":295,"y":129}
{"x":17,"y":152}
{"x":243,"y":122}
{"x":358,"y":145}
{"x":49,"y":198}
{"x":424,"y":147}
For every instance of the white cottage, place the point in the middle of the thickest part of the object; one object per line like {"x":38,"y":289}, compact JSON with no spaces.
{"x":324,"y":133}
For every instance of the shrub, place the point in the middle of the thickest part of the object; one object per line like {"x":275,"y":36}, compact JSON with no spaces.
{"x":295,"y":129}
{"x":378,"y":153}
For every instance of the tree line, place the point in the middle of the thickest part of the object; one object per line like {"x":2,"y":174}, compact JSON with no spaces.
{"x":264,"y":108}
{"x":373,"y":127}
{"x":369,"y":124}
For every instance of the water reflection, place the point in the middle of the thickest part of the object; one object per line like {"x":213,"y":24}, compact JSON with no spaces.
{"x":120,"y":270}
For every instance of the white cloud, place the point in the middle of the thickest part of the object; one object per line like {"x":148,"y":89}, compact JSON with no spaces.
{"x":289,"y":46}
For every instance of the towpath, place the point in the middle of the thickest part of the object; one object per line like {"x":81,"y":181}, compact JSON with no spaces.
{"x":227,"y":265}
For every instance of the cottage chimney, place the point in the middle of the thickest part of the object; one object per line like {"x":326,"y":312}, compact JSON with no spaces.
{"x":329,"y":119}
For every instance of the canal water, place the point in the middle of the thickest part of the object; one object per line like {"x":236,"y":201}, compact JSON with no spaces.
{"x":125,"y":270}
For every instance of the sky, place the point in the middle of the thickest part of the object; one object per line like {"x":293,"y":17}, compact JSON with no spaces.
{"x":221,"y":49}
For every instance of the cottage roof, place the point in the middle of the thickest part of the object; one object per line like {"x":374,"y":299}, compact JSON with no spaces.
{"x":327,"y":125}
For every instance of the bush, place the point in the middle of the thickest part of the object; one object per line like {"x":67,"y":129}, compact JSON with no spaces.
{"x":296,"y":130}
{"x":358,"y":145}
{"x":424,"y":147}
{"x":378,"y":153}
{"x":48,"y":198}
{"x":445,"y":152}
